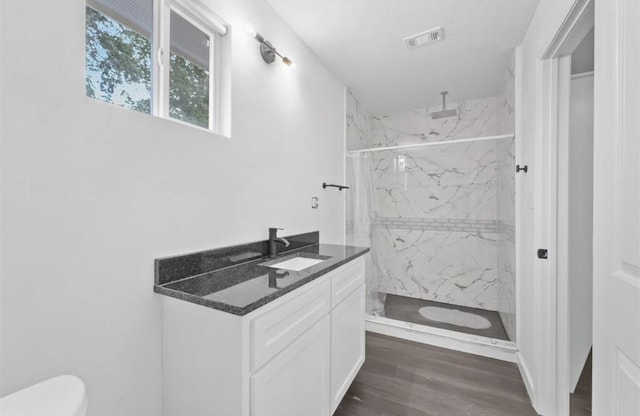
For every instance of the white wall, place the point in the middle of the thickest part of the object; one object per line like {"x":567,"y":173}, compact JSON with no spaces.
{"x":580,"y":225}
{"x":545,"y":23}
{"x":92,"y":193}
{"x":582,"y":59}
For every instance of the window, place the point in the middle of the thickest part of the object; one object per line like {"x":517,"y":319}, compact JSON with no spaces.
{"x":118,"y":53}
{"x":189,"y":92}
{"x":127,"y":63}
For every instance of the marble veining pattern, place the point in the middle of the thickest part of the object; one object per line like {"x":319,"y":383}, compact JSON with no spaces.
{"x":439,"y":219}
{"x":451,"y":267}
{"x":358,"y":123}
{"x":436,"y":231}
{"x":447,"y":181}
{"x":507,"y":99}
{"x":477,"y":118}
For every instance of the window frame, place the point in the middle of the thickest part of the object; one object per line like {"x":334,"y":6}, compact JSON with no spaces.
{"x":218,"y":31}
{"x":188,"y":12}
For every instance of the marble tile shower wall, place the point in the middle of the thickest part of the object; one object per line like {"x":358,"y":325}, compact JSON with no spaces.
{"x":440,"y":223}
{"x":478,"y":118}
{"x":358,"y":122}
{"x":490,"y":116}
{"x":435,"y":227}
{"x":507,"y":99}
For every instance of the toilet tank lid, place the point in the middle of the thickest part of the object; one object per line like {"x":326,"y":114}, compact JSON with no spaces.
{"x":58,"y":396}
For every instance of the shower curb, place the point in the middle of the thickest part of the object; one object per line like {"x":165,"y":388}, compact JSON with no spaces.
{"x":472,"y":344}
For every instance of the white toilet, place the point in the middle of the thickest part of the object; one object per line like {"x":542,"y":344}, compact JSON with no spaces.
{"x":58,"y":396}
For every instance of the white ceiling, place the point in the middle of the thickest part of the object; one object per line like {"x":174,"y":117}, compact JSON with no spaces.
{"x":361,"y":42}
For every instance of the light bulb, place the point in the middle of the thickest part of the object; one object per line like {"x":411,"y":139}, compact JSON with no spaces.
{"x":288,"y":62}
{"x":250,"y":30}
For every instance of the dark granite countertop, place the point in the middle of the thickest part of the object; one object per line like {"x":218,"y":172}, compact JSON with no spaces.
{"x":244,"y":287}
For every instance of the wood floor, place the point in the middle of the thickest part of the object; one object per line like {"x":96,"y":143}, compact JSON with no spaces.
{"x":402,"y":378}
{"x":581,"y":398}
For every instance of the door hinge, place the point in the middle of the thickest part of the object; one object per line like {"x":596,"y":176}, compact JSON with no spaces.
{"x":524,"y":168}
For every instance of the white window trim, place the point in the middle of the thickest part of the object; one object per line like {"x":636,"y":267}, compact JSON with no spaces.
{"x":187,"y":13}
{"x":211,"y":25}
{"x":195,"y":9}
{"x":203,"y":18}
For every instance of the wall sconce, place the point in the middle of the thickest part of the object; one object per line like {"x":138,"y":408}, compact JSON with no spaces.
{"x":267,"y":50}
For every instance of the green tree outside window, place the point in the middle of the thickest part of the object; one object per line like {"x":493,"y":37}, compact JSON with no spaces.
{"x":119,"y":71}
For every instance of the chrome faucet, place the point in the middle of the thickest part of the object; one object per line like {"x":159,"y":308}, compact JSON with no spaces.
{"x":273,"y":239}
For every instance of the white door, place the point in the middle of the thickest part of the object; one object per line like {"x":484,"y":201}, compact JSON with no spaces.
{"x":616,"y":351}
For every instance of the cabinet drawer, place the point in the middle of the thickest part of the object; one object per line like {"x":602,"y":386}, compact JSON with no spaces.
{"x":345,"y":280}
{"x":272,"y":332}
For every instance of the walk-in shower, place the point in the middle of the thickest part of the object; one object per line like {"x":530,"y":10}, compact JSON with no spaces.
{"x":439,"y":220}
{"x":434,"y":198}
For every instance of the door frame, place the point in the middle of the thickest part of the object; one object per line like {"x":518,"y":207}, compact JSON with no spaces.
{"x":551,"y":218}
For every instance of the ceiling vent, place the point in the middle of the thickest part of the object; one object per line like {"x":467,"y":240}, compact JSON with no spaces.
{"x":424,"y":38}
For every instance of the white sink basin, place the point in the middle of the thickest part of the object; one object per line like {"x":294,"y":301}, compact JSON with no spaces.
{"x":296,"y":264}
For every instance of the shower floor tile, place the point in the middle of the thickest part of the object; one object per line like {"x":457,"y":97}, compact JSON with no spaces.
{"x":406,"y":309}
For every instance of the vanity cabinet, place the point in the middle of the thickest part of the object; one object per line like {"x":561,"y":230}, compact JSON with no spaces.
{"x":294,"y":356}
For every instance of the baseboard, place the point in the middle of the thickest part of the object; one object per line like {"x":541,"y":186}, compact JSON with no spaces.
{"x":472,"y":344}
{"x":526,"y":378}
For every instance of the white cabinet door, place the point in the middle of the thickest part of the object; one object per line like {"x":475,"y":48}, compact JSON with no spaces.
{"x":296,"y":381}
{"x":347,"y":344}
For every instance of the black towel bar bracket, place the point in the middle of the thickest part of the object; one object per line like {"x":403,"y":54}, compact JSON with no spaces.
{"x":327,"y":185}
